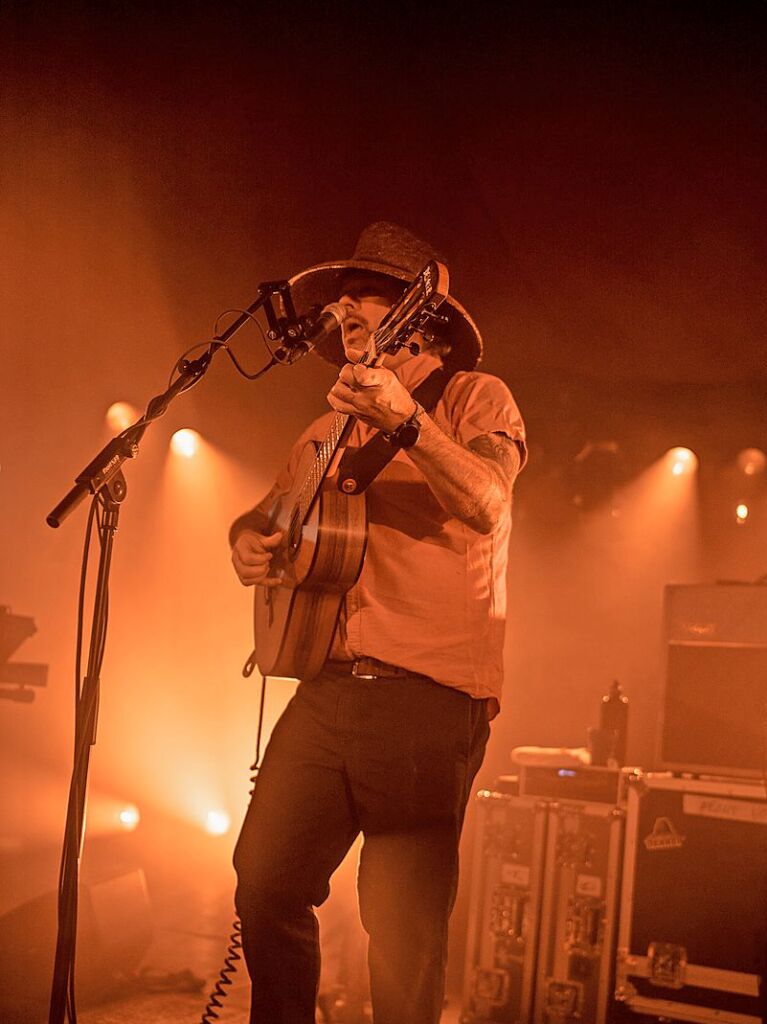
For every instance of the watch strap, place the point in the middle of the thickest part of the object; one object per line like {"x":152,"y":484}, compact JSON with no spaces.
{"x":408,"y":432}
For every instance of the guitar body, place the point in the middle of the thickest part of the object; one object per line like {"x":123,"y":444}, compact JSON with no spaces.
{"x":319,"y":561}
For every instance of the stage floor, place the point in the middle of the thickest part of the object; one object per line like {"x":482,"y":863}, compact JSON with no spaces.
{"x":153,"y":947}
{"x":192,"y":923}
{"x":187,"y":1008}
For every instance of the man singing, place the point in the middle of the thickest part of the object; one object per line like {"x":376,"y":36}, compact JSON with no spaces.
{"x":388,"y":737}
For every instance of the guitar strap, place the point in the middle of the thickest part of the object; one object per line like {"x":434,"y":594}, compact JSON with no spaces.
{"x":360,"y":466}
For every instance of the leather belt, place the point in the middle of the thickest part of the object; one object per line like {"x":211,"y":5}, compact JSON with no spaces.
{"x":369,"y":668}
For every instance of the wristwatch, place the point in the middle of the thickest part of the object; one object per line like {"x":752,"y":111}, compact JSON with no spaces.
{"x":407,"y":433}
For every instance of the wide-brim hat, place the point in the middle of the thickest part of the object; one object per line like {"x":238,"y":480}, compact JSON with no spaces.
{"x":396,"y":253}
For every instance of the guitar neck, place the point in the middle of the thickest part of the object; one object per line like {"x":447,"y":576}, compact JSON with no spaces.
{"x":428,"y":290}
{"x":336,"y":436}
{"x":340,"y":429}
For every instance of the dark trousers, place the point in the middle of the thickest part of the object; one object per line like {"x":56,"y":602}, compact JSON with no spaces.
{"x":394,"y":758}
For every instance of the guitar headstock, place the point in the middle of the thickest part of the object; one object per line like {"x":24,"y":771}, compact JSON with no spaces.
{"x":412,"y":311}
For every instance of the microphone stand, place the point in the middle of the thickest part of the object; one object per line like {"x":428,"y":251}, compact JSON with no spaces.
{"x":104,"y":479}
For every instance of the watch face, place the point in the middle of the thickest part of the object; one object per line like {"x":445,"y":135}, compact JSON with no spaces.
{"x":407,"y":435}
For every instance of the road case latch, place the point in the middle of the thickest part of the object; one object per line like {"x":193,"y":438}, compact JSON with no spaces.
{"x":667,"y":964}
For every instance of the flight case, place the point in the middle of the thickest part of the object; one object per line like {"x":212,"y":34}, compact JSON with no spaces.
{"x":504,"y":910}
{"x":692,"y":937}
{"x":579,"y":913}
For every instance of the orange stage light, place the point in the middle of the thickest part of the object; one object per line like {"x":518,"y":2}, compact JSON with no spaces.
{"x":682,"y":460}
{"x":129,"y":817}
{"x":751,"y":461}
{"x":741,"y":512}
{"x":185,"y":442}
{"x":120,"y":415}
{"x":217,"y":823}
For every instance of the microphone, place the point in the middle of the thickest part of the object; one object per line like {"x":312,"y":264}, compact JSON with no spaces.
{"x":330,"y":319}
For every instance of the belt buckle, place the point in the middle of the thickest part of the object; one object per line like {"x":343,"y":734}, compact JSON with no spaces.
{"x":361,"y":675}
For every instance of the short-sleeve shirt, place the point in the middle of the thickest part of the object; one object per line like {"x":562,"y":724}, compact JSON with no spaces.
{"x":431,"y":597}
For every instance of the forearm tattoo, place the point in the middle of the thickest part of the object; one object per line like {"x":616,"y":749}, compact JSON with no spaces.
{"x":504,"y":456}
{"x":474,"y":482}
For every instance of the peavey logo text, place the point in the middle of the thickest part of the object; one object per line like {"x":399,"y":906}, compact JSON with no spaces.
{"x":664,"y":836}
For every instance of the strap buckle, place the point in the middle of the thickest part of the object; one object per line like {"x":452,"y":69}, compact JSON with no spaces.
{"x":361,"y":675}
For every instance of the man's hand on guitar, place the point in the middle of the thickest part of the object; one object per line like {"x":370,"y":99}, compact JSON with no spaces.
{"x":374,"y":395}
{"x":252,"y":556}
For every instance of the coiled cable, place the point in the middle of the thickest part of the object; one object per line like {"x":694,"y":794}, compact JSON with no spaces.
{"x":233,"y":954}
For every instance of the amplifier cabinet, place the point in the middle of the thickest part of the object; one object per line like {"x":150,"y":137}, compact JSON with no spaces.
{"x":718,"y":613}
{"x":504,"y":912}
{"x":714,"y":712}
{"x":692,"y":936}
{"x":574,"y":978}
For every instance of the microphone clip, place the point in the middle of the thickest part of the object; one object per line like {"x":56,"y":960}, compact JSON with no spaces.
{"x":286,"y":328}
{"x":293,"y":332}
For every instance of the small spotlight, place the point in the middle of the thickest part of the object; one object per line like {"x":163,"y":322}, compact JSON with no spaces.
{"x":120,"y":415}
{"x":751,"y":461}
{"x":595,"y":472}
{"x":682,"y":461}
{"x":217,"y":823}
{"x":741,"y":513}
{"x":185,"y":442}
{"x":129,"y":817}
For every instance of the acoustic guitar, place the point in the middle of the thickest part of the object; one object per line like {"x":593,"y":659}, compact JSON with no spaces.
{"x":325,"y":530}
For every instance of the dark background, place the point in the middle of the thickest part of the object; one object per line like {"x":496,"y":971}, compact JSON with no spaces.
{"x":595,"y":175}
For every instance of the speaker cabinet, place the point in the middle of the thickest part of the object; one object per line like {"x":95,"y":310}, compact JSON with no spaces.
{"x":714,"y":714}
{"x":114,"y":932}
